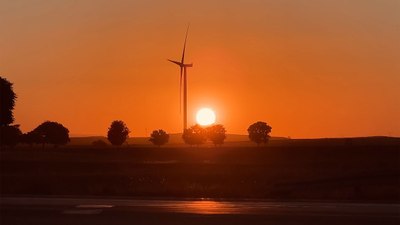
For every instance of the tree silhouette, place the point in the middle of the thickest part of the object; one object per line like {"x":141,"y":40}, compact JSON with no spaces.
{"x":52,"y":133}
{"x":117,"y":133}
{"x":7,"y":102}
{"x":195,"y":135}
{"x":216,"y":134}
{"x":10,"y":135}
{"x":259,"y":132}
{"x":159,"y":137}
{"x":31,"y":138}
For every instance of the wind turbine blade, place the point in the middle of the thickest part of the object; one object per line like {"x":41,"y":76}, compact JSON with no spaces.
{"x":176,"y":62}
{"x":184,"y":45}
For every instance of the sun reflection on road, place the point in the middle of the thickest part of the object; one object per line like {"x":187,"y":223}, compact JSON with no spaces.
{"x":208,"y":207}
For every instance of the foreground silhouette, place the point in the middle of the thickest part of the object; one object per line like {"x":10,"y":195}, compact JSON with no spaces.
{"x":10,"y":135}
{"x":7,"y":102}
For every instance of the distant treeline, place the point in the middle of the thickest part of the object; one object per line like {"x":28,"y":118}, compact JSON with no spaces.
{"x":56,"y":134}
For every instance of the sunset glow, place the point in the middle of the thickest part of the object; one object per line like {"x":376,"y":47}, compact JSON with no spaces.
{"x":308,"y":68}
{"x":199,"y":112}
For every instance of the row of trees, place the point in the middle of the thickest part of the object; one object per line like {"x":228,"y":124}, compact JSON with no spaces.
{"x":55,"y":133}
{"x":47,"y":132}
{"x":195,"y":135}
{"x":119,"y":132}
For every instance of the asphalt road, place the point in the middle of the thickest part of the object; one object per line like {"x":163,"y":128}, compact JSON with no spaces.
{"x":77,"y":211}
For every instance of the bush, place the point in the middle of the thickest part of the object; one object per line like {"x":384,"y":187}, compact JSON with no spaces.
{"x":159,"y":137}
{"x":216,"y":134}
{"x":195,"y":135}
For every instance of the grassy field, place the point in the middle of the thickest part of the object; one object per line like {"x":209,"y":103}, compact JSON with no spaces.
{"x":359,"y":169}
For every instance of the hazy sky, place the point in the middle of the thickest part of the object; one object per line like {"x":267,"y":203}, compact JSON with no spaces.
{"x":309,"y":68}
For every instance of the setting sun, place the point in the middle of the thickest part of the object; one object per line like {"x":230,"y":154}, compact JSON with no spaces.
{"x":205,"y":116}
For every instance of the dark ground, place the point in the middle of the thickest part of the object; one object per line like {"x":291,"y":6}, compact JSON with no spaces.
{"x":340,"y":172}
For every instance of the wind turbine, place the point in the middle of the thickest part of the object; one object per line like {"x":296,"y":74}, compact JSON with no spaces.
{"x":183,"y":77}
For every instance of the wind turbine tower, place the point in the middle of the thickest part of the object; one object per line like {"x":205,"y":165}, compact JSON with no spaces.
{"x":183,"y":80}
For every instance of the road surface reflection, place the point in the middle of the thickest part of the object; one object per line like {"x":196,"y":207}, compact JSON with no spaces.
{"x":210,"y":206}
{"x":207,"y":207}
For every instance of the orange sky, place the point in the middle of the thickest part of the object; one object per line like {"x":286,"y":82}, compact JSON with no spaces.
{"x":309,"y":68}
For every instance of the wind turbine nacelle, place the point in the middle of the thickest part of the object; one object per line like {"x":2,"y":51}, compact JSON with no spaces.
{"x":188,"y":65}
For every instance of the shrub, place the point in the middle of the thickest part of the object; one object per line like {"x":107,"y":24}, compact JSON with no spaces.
{"x":159,"y":137}
{"x":195,"y":135}
{"x":216,"y":134}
